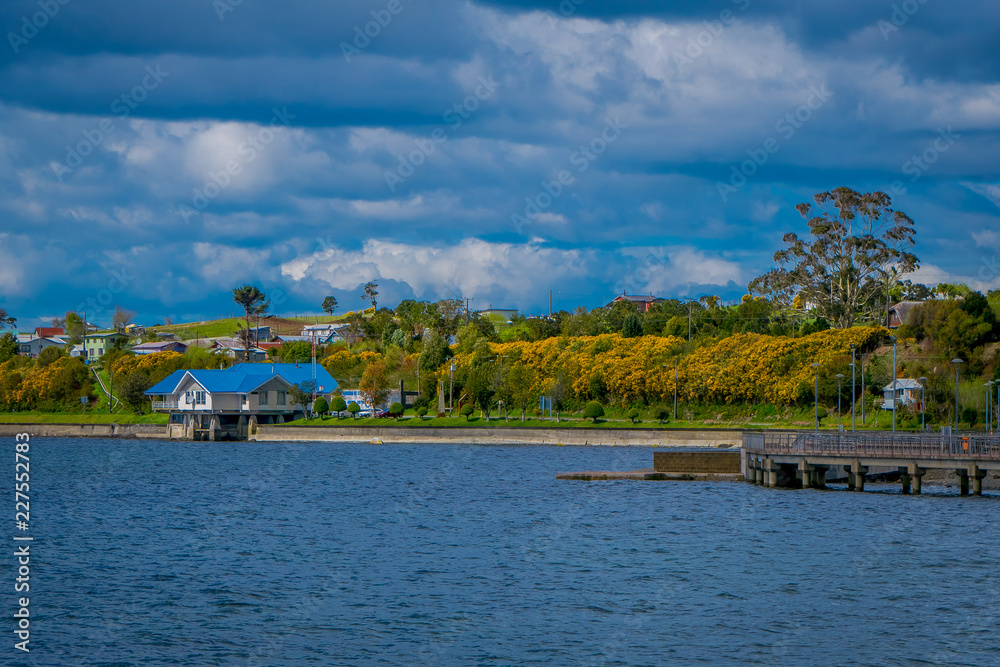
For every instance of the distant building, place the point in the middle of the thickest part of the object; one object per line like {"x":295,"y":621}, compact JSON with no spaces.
{"x":97,"y":345}
{"x":45,"y":332}
{"x":30,"y":345}
{"x":899,"y":314}
{"x":322,"y":333}
{"x":642,"y":302}
{"x":160,"y":346}
{"x":903,"y":391}
{"x":235,"y":349}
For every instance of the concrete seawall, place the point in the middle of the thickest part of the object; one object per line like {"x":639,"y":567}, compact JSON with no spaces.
{"x":502,"y":436}
{"x":152,"y":431}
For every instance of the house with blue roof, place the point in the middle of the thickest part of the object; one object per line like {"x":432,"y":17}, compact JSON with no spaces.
{"x":219,"y":403}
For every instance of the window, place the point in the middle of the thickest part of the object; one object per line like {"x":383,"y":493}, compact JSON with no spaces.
{"x":199,"y":398}
{"x":263,"y":397}
{"x":281,"y":397}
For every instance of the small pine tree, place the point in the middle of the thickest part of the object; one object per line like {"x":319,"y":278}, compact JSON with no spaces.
{"x":354,"y":409}
{"x":467,"y":411}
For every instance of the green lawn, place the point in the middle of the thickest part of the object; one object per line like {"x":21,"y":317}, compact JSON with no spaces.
{"x":211,"y":329}
{"x":78,"y":418}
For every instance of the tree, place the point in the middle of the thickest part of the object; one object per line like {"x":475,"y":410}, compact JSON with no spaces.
{"x":593,"y":410}
{"x":396,"y":410}
{"x":6,"y":320}
{"x":371,"y":293}
{"x":301,"y":394}
{"x":467,"y":411}
{"x":421,"y":412}
{"x":338,"y":405}
{"x":435,"y":352}
{"x":354,"y":409}
{"x":321,"y":407}
{"x":132,"y":390}
{"x":9,"y":347}
{"x":633,"y":415}
{"x":49,"y":355}
{"x":662,"y":415}
{"x":375,"y":384}
{"x":521,"y":380}
{"x":74,"y":328}
{"x":632,"y":326}
{"x":254,"y":303}
{"x":122,"y":318}
{"x":860,"y":246}
{"x":329,"y":305}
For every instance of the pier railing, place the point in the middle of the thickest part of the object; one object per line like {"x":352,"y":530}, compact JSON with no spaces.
{"x":885,"y":445}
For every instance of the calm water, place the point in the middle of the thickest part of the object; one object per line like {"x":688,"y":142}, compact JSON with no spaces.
{"x":168,"y":553}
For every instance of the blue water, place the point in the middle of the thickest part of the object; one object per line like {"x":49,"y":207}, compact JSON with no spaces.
{"x":163,"y":553}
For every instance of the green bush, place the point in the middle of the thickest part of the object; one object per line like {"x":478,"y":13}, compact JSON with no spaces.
{"x":662,"y":415}
{"x":321,"y":406}
{"x":593,"y":410}
{"x":422,"y":411}
{"x":338,"y":404}
{"x":633,"y":415}
{"x":396,"y":410}
{"x":467,"y":411}
{"x":354,"y":409}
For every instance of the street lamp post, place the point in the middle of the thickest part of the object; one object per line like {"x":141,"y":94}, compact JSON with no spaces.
{"x":853,"y":385}
{"x":816,"y":397}
{"x":958,"y":363}
{"x":451,"y":390}
{"x":989,"y":406}
{"x":923,"y":405}
{"x":894,"y":385}
{"x":840,"y":380}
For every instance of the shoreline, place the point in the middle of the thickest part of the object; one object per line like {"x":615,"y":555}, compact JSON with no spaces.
{"x":694,"y":438}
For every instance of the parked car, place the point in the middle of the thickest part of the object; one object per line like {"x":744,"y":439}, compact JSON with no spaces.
{"x":382,"y":414}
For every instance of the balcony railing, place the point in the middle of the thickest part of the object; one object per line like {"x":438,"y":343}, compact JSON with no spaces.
{"x":164,"y":405}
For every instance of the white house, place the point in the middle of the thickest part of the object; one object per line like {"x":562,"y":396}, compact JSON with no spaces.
{"x":30,"y":345}
{"x":225,"y":399}
{"x":904,"y":391}
{"x":322,"y":333}
{"x":235,"y":349}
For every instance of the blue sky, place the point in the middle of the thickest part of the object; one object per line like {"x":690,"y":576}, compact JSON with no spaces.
{"x":155,"y":155}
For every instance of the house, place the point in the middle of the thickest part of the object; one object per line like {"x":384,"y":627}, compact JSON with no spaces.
{"x":235,"y":349}
{"x":899,"y":314}
{"x":97,"y":345}
{"x":135,"y":330}
{"x":641,"y":302}
{"x":323,"y":333}
{"x":222,"y":403}
{"x":46,"y":332}
{"x":31,"y":345}
{"x":904,"y":391}
{"x":160,"y":346}
{"x":260,"y":333}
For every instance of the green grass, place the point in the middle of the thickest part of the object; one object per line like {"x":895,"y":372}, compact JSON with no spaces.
{"x":78,"y":418}
{"x":209,"y":329}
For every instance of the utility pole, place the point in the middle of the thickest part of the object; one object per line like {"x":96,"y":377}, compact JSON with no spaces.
{"x":467,"y":301}
{"x":689,"y":321}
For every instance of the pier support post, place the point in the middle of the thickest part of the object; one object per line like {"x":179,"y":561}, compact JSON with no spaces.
{"x":977,"y":474}
{"x":819,"y":476}
{"x":904,"y":478}
{"x":916,"y":474}
{"x":858,"y":473}
{"x":758,"y":473}
{"x":808,"y":474}
{"x":963,"y":481}
{"x":214,"y":429}
{"x":771,"y":470}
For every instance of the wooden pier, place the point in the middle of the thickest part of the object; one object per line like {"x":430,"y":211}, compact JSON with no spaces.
{"x":802,"y":460}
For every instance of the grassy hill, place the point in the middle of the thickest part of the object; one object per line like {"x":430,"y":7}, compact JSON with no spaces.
{"x":229,"y":326}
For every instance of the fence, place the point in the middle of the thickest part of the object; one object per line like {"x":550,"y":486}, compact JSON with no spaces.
{"x":883,"y":445}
